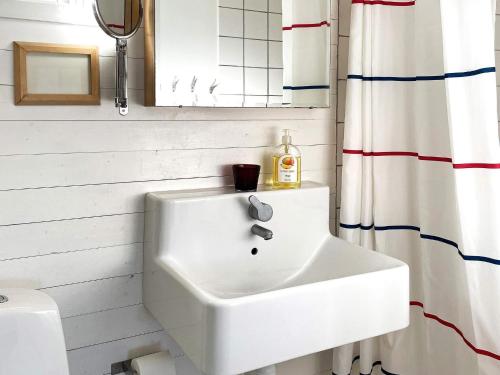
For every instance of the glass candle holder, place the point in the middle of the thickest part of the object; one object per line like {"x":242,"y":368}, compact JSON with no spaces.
{"x":246,"y":176}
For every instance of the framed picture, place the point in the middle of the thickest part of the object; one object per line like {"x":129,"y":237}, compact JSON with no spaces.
{"x":56,"y":74}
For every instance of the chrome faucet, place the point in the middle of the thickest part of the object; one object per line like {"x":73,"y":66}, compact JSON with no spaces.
{"x":262,"y":212}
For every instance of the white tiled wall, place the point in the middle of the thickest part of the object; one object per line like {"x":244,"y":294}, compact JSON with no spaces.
{"x":251,"y":48}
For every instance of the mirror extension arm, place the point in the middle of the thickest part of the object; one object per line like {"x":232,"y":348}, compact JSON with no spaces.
{"x":121,"y":96}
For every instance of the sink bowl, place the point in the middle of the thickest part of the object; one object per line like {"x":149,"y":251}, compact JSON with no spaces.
{"x":235,"y":302}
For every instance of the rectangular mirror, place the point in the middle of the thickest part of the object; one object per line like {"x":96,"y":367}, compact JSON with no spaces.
{"x":237,"y":53}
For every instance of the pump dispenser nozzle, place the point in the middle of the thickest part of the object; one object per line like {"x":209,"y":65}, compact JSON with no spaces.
{"x":286,"y":139}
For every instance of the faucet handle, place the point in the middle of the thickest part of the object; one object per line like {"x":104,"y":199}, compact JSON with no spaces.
{"x":258,"y":210}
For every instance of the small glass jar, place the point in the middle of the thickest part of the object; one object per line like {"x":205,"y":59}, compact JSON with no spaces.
{"x":246,"y":176}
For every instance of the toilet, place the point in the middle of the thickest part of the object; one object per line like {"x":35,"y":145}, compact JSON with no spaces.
{"x":31,"y":336}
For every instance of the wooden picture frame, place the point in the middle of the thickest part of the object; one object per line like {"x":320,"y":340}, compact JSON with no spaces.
{"x":21,"y":70}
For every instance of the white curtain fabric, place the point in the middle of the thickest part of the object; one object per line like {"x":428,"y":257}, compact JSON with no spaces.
{"x":421,"y":180}
{"x":306,"y":52}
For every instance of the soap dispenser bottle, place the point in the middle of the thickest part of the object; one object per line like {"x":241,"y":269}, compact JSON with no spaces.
{"x":286,"y":164}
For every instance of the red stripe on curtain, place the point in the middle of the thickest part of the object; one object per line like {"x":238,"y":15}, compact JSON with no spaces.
{"x":116,"y":26}
{"x":425,"y":158}
{"x":457,"y":330}
{"x":388,"y":3}
{"x":435,"y":158}
{"x":306,"y":25}
{"x":477,"y":165}
{"x":380,"y":153}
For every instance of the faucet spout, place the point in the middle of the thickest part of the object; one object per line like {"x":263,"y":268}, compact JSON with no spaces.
{"x":262,"y":232}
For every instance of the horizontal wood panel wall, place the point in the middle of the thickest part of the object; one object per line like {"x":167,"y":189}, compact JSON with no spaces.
{"x":72,"y":185}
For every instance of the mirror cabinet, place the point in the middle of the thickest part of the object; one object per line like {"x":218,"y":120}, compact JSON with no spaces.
{"x":237,"y":53}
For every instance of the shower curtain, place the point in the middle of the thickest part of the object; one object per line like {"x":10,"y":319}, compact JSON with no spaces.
{"x":421,"y":180}
{"x":306,"y":52}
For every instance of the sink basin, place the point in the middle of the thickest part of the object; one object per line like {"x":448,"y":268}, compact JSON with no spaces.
{"x":235,"y":302}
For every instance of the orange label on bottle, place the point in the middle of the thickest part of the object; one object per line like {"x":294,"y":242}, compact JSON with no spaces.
{"x":287,"y":168}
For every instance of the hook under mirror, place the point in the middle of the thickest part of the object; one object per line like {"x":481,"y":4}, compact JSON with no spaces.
{"x":120,"y":19}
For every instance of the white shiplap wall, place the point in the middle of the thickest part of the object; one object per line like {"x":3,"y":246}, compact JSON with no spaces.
{"x":72,"y":184}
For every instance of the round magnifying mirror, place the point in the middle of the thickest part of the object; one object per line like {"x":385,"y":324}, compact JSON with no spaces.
{"x":118,"y":18}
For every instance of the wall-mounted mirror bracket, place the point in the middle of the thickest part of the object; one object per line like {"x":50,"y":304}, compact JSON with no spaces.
{"x":121,"y":97}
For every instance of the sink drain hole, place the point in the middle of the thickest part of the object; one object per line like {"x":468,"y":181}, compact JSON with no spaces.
{"x":254,"y":251}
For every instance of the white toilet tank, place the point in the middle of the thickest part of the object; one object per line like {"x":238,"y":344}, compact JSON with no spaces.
{"x":31,"y":336}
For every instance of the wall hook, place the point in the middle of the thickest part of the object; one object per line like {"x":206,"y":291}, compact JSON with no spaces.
{"x":213,"y":86}
{"x":174,"y":83}
{"x":193,"y":83}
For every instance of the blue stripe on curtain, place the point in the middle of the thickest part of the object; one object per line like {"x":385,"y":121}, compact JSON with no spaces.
{"x":377,"y":363}
{"x":424,"y":78}
{"x":311,"y":87}
{"x":473,"y":258}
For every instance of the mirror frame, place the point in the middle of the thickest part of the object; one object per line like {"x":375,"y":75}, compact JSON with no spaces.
{"x":104,"y":27}
{"x":149,"y":54}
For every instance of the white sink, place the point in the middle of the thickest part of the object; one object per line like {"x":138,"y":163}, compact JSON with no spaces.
{"x":303,"y":292}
